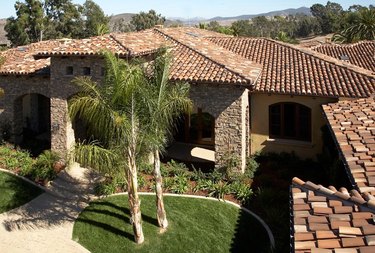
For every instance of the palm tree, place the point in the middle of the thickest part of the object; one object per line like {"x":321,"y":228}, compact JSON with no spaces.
{"x":112,"y":112}
{"x":166,"y":102}
{"x":363,"y":27}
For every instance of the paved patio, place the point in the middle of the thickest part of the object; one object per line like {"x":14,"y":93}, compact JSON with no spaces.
{"x":45,"y":224}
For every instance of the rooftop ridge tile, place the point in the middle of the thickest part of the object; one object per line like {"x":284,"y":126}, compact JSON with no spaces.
{"x":212,"y":59}
{"x":354,"y":197}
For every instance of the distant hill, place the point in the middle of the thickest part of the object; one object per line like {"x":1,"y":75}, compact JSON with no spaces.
{"x":125,"y":16}
{"x":302,"y":10}
{"x":191,"y":21}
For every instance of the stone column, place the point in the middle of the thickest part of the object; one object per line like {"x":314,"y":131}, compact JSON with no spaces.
{"x":229,"y":105}
{"x":62,"y":134}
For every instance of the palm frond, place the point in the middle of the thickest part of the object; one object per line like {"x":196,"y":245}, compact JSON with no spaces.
{"x":96,"y":157}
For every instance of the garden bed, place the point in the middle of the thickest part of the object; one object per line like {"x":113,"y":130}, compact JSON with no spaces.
{"x":41,"y":170}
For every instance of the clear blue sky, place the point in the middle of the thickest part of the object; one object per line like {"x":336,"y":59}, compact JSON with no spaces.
{"x":195,"y":8}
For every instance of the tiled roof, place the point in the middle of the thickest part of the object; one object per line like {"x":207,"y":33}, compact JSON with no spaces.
{"x":140,"y":43}
{"x":327,"y":220}
{"x":199,"y":59}
{"x":353,"y":125}
{"x":361,"y":54}
{"x":84,"y":47}
{"x":20,"y":60}
{"x":195,"y":59}
{"x":291,"y":70}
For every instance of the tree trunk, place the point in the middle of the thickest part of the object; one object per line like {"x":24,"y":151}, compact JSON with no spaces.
{"x":134,"y":201}
{"x":161,"y":214}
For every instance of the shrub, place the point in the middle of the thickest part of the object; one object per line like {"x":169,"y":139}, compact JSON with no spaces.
{"x":176,"y":169}
{"x":146,"y":168}
{"x":203,"y":185}
{"x":15,"y":160}
{"x":43,"y":168}
{"x":180,"y":185}
{"x":110,"y":186}
{"x":141,"y":181}
{"x":251,"y":167}
{"x":215,"y":176}
{"x":218,"y":190}
{"x":197,"y":175}
{"x":241,"y":191}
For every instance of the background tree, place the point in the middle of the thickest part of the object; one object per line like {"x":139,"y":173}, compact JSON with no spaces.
{"x":96,"y":22}
{"x":166,"y":102}
{"x":28,"y":26}
{"x":113,"y":113}
{"x":241,"y":28}
{"x":145,"y":20}
{"x":328,"y":16}
{"x":63,"y":19}
{"x":361,"y":26}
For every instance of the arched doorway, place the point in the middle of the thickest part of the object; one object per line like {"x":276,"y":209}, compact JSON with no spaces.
{"x":32,"y":122}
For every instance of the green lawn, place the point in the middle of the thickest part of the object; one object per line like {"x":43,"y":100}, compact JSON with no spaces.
{"x":196,"y":225}
{"x":15,"y":192}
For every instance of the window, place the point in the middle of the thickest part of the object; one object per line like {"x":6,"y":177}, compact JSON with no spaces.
{"x":69,"y":71}
{"x":290,"y":121}
{"x":86,"y":71}
{"x":197,"y":127}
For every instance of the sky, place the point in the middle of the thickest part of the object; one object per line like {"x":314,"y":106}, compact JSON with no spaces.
{"x":194,"y":8}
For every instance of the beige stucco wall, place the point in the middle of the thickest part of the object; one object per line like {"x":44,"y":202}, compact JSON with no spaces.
{"x":260,"y":140}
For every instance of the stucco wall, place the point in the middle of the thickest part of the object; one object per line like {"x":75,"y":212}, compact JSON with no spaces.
{"x":229,"y":106}
{"x":260,"y":140}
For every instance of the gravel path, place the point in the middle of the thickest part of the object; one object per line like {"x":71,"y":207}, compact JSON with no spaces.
{"x":45,"y":224}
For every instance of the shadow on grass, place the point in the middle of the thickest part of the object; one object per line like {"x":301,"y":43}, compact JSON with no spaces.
{"x":250,"y":236}
{"x":126,"y":211}
{"x":107,"y":227}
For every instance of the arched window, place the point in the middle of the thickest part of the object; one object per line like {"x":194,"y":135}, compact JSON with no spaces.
{"x":290,"y":121}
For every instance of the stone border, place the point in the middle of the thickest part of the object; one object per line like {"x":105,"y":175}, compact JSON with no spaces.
{"x":261,"y":221}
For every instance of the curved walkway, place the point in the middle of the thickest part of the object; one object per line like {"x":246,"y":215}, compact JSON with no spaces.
{"x":45,"y":224}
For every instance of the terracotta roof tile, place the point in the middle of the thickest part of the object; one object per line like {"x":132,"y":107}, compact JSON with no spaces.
{"x":140,"y":43}
{"x":20,"y":60}
{"x":84,"y":47}
{"x":343,"y":232}
{"x":195,"y":59}
{"x":291,"y":70}
{"x":354,"y":139}
{"x":190,"y":39}
{"x":361,"y":54}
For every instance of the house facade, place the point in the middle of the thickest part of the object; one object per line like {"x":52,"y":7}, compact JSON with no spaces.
{"x":249,"y":95}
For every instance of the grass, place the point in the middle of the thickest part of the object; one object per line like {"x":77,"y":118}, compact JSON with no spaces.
{"x":15,"y":192}
{"x":196,"y":225}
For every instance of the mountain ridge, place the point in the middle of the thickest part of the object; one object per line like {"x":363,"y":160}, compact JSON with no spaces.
{"x":192,"y":21}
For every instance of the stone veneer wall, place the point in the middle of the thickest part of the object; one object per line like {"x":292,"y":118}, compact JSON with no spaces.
{"x":61,"y":87}
{"x":15,"y":87}
{"x":228,"y":104}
